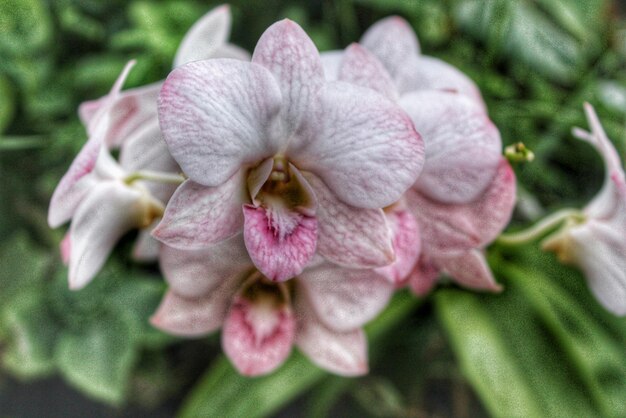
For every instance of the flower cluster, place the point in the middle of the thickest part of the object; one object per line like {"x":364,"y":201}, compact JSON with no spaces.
{"x":287,"y":193}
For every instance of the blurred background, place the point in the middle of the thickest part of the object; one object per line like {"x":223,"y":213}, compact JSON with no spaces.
{"x":544,"y":347}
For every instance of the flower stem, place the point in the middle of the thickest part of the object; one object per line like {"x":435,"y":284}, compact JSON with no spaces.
{"x":540,"y":228}
{"x":156,"y":176}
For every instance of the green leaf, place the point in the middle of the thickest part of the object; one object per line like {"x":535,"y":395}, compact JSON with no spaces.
{"x":29,"y":335}
{"x":23,"y":267}
{"x":485,"y":356}
{"x":599,"y":360}
{"x":99,"y":360}
{"x":7,"y":109}
{"x":219,"y":392}
{"x":25,"y":27}
{"x":547,"y":39}
{"x":537,"y":349}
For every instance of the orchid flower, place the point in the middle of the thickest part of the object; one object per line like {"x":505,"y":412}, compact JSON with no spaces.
{"x":465,"y":193}
{"x":596,"y":242}
{"x":321,"y":311}
{"x":95,"y":184}
{"x":299,"y":164}
{"x":394,"y":43}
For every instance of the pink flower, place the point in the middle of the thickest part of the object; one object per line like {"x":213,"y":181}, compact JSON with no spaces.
{"x":394,"y":43}
{"x":321,"y":311}
{"x":465,"y":194}
{"x":310,"y":162}
{"x":597,"y":244}
{"x":126,"y":120}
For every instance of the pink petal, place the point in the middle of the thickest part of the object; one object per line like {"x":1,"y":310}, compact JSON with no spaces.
{"x":280,"y":242}
{"x":345,"y":299}
{"x":216,"y":115}
{"x":193,"y":274}
{"x":191,"y":317}
{"x":197,"y":217}
{"x":424,"y":277}
{"x":430,"y":73}
{"x":392,"y":40}
{"x":146,"y":248}
{"x":342,"y":353}
{"x":463,"y":147}
{"x":406,"y":246}
{"x":611,"y":199}
{"x":349,"y":236}
{"x":287,"y":51}
{"x":362,"y":145}
{"x":204,"y":38}
{"x":109,"y":211}
{"x":74,"y":185}
{"x":65,"y":248}
{"x":361,"y":67}
{"x":97,"y":115}
{"x":447,"y":227}
{"x":121,"y":115}
{"x":258,"y":337}
{"x":469,"y":269}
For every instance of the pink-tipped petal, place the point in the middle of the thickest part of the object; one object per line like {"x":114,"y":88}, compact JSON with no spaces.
{"x":65,"y":248}
{"x":392,"y":40}
{"x":424,"y":277}
{"x":281,"y":242}
{"x":197,"y":217}
{"x":100,"y":115}
{"x":406,"y":246}
{"x":430,"y":73}
{"x":345,"y":299}
{"x":342,"y":353}
{"x":74,"y":185}
{"x":349,"y":236}
{"x":362,"y":145}
{"x":361,"y":67}
{"x":287,"y":51}
{"x":469,"y":269}
{"x":257,"y":336}
{"x":109,"y":211}
{"x":190,"y":317}
{"x":216,"y":115}
{"x":463,"y":147}
{"x":205,"y":37}
{"x":193,"y":274}
{"x":447,"y":227}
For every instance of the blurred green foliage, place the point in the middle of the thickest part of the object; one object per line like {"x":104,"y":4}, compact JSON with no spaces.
{"x":542,"y":348}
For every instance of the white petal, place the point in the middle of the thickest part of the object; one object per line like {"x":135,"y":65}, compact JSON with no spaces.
{"x":107,"y":213}
{"x":216,"y":116}
{"x":345,"y":299}
{"x":205,"y":37}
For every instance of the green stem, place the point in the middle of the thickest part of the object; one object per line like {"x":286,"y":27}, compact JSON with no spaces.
{"x":155,"y":176}
{"x":540,"y":228}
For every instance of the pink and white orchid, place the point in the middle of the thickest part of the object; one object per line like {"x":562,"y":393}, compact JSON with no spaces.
{"x":321,"y":311}
{"x":596,"y":241}
{"x":106,"y":199}
{"x":299,"y":164}
{"x":394,"y":42}
{"x":465,"y":194}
